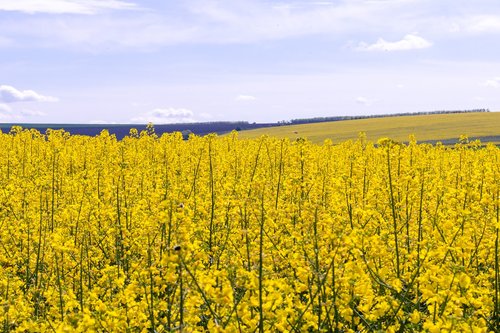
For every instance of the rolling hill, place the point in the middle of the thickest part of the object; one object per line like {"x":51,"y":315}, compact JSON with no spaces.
{"x":445,"y":128}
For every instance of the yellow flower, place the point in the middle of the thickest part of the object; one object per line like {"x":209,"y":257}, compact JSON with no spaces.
{"x":464,"y":280}
{"x":415,"y":317}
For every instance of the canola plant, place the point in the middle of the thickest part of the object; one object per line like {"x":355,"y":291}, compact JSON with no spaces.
{"x":221,"y":234}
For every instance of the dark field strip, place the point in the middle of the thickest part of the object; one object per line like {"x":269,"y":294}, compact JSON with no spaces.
{"x":122,"y":130}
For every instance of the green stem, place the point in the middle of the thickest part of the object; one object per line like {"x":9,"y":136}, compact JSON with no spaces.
{"x":393,"y":208}
{"x":261,"y":258}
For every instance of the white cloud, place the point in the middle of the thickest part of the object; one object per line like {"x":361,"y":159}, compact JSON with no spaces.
{"x":245,"y":98}
{"x":9,"y":94}
{"x":165,"y":116}
{"x":242,"y":21}
{"x":195,"y":21}
{"x":409,"y":42}
{"x":98,"y":34}
{"x":303,"y":5}
{"x":364,"y":101}
{"x":250,"y":21}
{"x":482,"y":24}
{"x":8,"y":114}
{"x":64,"y":6}
{"x":492,"y":83}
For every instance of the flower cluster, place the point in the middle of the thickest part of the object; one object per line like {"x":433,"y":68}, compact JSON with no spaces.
{"x":222,"y":234}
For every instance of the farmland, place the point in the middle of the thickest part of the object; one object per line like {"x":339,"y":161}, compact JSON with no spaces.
{"x":437,"y":127}
{"x":226,"y":234}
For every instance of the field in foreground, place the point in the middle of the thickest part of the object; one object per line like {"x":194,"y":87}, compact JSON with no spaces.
{"x":439,"y":127}
{"x":224,"y":234}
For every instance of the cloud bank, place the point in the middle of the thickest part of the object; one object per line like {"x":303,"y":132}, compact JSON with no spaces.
{"x":409,"y":42}
{"x":9,"y":94}
{"x":165,"y":116}
{"x":64,"y":6}
{"x":237,"y":22}
{"x":196,"y":21}
{"x":245,"y":98}
{"x":492,"y":83}
{"x":482,"y":24}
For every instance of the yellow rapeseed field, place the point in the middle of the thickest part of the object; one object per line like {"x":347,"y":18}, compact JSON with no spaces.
{"x":221,"y":234}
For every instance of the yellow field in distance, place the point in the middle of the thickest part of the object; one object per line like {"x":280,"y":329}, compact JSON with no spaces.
{"x":424,"y":127}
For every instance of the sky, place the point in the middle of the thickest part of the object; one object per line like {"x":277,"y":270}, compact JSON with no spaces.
{"x":167,"y":61}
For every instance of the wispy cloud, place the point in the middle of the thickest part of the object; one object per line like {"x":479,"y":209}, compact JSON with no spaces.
{"x":492,"y":83}
{"x":481,"y":24}
{"x":99,"y":34}
{"x":196,"y":21}
{"x":409,"y":42}
{"x":8,"y":114}
{"x":245,"y":98}
{"x":9,"y":94}
{"x":364,"y":101}
{"x":64,"y":6}
{"x":165,"y":116}
{"x":225,"y":22}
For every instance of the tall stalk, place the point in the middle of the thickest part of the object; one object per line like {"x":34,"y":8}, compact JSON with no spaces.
{"x":151,"y":287}
{"x":261,"y":258}
{"x":53,"y":191}
{"x":212,"y":198}
{"x":393,"y":208}
{"x":497,"y":273}
{"x":59,"y":287}
{"x":420,"y":236}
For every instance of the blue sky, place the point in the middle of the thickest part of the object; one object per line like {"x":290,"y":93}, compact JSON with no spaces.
{"x":117,"y":61}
